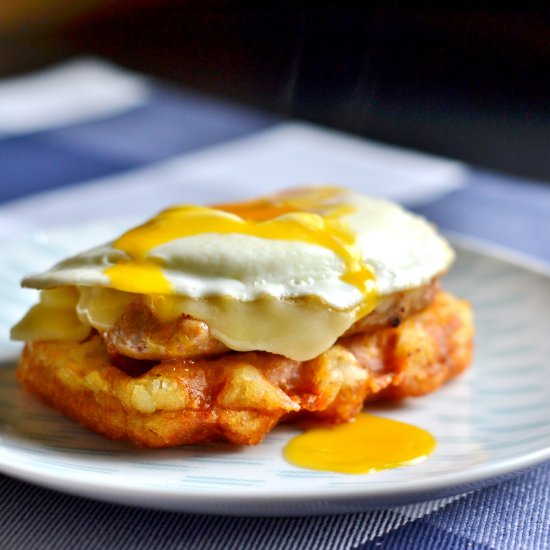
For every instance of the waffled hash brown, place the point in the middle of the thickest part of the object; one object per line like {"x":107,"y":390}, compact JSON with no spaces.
{"x":238,"y":396}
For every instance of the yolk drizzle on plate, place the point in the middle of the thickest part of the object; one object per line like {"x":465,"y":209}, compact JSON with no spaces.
{"x":282,"y":217}
{"x":367,"y":444}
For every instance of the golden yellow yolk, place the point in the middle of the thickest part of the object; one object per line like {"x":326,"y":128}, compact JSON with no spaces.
{"x":367,"y":444}
{"x":279,"y":217}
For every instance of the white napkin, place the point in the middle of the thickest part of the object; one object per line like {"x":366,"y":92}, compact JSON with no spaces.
{"x":287,"y":155}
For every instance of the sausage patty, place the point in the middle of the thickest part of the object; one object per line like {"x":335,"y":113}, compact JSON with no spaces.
{"x":140,"y":335}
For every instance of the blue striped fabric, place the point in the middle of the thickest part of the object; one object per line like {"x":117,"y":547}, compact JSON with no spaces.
{"x":514,"y":514}
{"x":170,"y":123}
{"x":500,"y":209}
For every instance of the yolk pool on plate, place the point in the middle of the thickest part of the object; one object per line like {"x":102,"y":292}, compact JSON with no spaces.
{"x":368,"y":444}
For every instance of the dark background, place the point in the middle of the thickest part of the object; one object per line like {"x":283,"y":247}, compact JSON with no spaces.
{"x":468,"y":83}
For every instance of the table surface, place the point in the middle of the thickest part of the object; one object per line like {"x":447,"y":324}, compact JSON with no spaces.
{"x":86,"y":140}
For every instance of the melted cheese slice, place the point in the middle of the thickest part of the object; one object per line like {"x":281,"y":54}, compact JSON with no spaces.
{"x":287,"y":273}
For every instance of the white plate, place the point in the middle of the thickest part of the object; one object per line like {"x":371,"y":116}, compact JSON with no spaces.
{"x":489,"y":424}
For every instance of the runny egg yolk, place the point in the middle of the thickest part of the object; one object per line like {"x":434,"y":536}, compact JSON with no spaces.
{"x":310,"y":216}
{"x":367,"y":444}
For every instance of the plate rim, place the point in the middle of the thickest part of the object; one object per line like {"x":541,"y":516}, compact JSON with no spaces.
{"x":278,"y":504}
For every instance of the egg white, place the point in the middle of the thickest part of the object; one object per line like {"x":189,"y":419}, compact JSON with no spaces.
{"x":403,"y":251}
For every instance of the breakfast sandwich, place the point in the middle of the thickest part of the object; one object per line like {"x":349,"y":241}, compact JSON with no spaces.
{"x":217,"y":323}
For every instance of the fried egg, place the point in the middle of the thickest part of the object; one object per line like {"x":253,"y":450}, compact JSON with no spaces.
{"x":287,"y":274}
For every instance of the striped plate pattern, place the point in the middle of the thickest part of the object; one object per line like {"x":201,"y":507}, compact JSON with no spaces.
{"x":492,"y":422}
